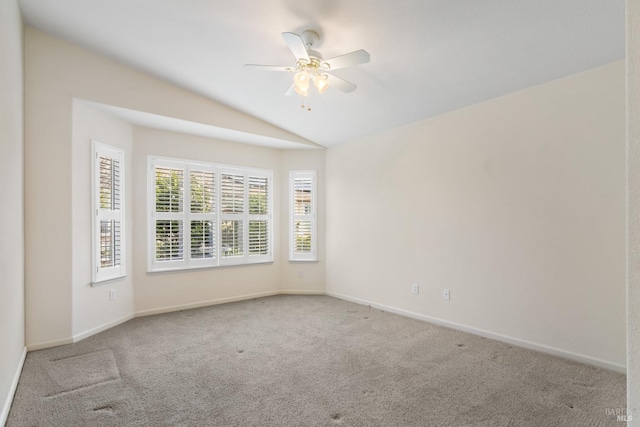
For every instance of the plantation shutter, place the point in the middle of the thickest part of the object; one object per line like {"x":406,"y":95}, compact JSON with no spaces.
{"x":108,"y":207}
{"x":302,"y":216}
{"x":168,"y":215}
{"x":232,"y":208}
{"x":202,"y":215}
{"x":259,"y":234}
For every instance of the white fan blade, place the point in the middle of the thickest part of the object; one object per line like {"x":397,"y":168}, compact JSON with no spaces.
{"x":340,"y":84}
{"x":270,"y":67}
{"x":347,"y":60}
{"x":291,"y":90}
{"x":296,"y":45}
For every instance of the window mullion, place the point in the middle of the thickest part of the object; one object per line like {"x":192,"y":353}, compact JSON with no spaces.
{"x":105,"y":214}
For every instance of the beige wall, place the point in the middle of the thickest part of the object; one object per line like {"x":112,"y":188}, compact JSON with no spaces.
{"x":47,"y":194}
{"x":12,"y":201}
{"x":633,"y":211}
{"x":92,"y":309}
{"x":517,"y":205}
{"x":57,"y":72}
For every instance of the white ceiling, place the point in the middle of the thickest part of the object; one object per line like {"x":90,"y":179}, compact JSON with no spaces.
{"x":427,"y":56}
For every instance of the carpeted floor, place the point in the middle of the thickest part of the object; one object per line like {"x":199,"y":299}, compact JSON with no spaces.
{"x":305,"y":361}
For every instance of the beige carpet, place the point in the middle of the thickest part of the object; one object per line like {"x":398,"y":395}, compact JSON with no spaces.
{"x":305,"y":361}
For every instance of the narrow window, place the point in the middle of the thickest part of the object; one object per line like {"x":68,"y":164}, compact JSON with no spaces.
{"x":108,"y":212}
{"x":302,"y":216}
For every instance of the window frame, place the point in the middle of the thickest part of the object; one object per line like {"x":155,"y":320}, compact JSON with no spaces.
{"x":100,"y":275}
{"x":218,"y":260}
{"x":312,"y":256}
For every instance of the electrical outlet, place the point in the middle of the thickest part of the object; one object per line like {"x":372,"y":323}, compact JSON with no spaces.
{"x":445,"y":294}
{"x":415,"y":289}
{"x":112,"y":294}
{"x":300,"y":274}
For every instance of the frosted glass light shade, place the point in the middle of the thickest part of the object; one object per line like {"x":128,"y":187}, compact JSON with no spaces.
{"x":304,"y":91}
{"x":301,"y":80}
{"x":321,"y":83}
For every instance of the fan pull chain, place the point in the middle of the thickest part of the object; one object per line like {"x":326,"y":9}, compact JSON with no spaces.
{"x":308,"y":103}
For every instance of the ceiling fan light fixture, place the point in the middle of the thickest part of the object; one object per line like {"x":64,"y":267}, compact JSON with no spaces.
{"x":312,"y":67}
{"x":301,"y":80}
{"x":303,"y":91}
{"x":321,"y":82}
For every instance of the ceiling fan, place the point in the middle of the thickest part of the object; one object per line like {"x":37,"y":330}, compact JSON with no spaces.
{"x":312,"y":68}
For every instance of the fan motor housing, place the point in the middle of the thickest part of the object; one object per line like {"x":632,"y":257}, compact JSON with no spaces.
{"x":310,"y":38}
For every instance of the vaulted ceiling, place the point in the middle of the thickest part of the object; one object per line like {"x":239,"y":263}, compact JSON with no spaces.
{"x":428,"y":57}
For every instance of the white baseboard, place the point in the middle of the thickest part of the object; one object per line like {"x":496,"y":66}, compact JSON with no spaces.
{"x":487,"y":334}
{"x":300,"y":292}
{"x":12,"y":390}
{"x":169,"y":309}
{"x":47,"y":344}
{"x":103,"y":327}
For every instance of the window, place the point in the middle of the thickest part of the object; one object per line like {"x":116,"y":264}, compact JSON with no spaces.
{"x":302,"y":216}
{"x":107,"y":197}
{"x":207,"y":215}
{"x":258,"y":215}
